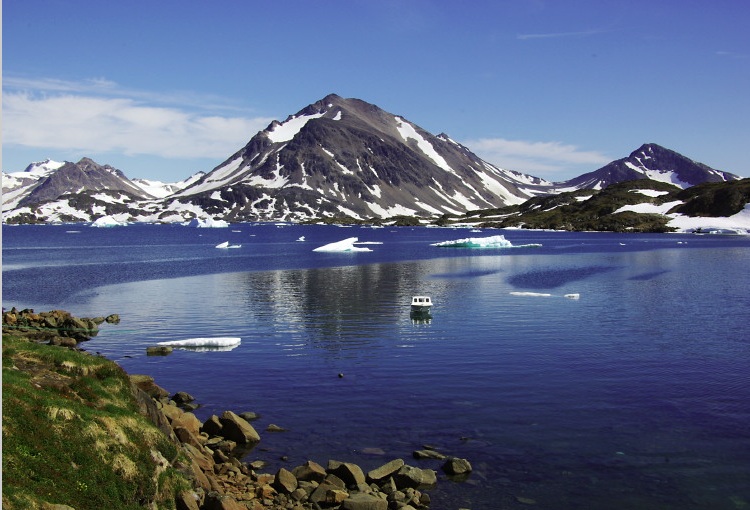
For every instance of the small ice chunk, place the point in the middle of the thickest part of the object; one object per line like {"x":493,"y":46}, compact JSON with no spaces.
{"x":208,"y":223}
{"x":108,"y":221}
{"x":225,"y":245}
{"x":346,"y":245}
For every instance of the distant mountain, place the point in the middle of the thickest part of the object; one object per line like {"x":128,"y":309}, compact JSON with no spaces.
{"x":651,"y":161}
{"x":84,"y":176}
{"x":52,"y":191}
{"x":17,"y":185}
{"x":335,"y":160}
{"x":159,"y":189}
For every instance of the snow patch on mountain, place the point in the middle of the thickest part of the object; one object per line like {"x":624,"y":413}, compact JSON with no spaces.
{"x":287,"y":130}
{"x":646,"y":208}
{"x":215,"y":179}
{"x":407,"y":131}
{"x":736,"y":224}
{"x":495,"y":186}
{"x":658,"y":175}
{"x":159,"y":189}
{"x":34,"y":171}
{"x":648,"y":192}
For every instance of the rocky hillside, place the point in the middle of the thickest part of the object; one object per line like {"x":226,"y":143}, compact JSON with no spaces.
{"x":643,"y":205}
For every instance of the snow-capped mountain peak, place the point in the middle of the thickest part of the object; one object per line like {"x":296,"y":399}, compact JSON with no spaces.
{"x":346,"y":157}
{"x":652,"y":161}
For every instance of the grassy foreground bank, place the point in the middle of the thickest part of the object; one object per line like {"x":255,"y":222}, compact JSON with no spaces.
{"x":73,"y":434}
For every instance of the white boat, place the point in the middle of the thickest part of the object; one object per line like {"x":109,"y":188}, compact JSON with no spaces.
{"x":421,"y":304}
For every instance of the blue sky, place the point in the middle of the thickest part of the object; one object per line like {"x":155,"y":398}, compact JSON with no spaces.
{"x":163,"y":89}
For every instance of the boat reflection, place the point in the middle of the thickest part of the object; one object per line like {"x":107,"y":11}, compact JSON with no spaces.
{"x":418,"y":317}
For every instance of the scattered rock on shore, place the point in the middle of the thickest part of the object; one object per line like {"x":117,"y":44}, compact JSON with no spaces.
{"x":222,"y":481}
{"x":56,"y":326}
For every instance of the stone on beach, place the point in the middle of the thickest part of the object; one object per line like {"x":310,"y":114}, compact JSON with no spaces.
{"x":238,"y":429}
{"x":285,"y":481}
{"x":363,"y":501}
{"x":456,"y":466}
{"x":414,"y":477}
{"x":351,"y":474}
{"x":310,"y":471}
{"x":386,"y":470}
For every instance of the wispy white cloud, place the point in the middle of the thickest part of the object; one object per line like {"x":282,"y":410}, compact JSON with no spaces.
{"x":731,"y":54}
{"x":558,"y":35}
{"x":102,"y":87}
{"x":99,"y":116}
{"x":537,"y":158}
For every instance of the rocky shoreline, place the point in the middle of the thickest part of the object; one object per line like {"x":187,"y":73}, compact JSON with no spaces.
{"x":211,"y":452}
{"x":222,"y":481}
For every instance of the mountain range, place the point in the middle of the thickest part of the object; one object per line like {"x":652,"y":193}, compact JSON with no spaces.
{"x":336,"y":159}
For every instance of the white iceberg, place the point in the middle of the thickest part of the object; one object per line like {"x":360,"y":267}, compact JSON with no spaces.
{"x":108,"y":221}
{"x":225,"y":245}
{"x":346,"y":245}
{"x":498,"y":241}
{"x":207,"y":223}
{"x":301,"y":239}
{"x":205,"y":344}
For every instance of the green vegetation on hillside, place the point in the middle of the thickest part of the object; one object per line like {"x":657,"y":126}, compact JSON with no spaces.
{"x":594,"y":210}
{"x":72,"y":434}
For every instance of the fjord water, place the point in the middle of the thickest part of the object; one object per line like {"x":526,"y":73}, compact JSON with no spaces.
{"x":635,"y":395}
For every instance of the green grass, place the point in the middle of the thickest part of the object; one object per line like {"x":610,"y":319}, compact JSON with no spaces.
{"x":72,"y":434}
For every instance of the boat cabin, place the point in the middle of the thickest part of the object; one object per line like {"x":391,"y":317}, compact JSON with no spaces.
{"x":421,"y":303}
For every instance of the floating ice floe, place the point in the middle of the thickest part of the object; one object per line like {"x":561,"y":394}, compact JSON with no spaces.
{"x":207,"y":223}
{"x":205,"y":344}
{"x":108,"y":221}
{"x":544,"y":294}
{"x":498,"y":241}
{"x":225,"y":245}
{"x":346,"y":245}
{"x":301,"y":239}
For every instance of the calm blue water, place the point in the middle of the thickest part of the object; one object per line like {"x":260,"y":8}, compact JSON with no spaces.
{"x":635,"y":396}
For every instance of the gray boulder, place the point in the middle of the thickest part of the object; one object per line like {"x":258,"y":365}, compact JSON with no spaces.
{"x":212,"y":426}
{"x":237,"y":429}
{"x":284,"y":481}
{"x":350,"y":473}
{"x":362,"y":501}
{"x":456,"y":466}
{"x":413,"y":477}
{"x":384,"y":471}
{"x":310,"y":471}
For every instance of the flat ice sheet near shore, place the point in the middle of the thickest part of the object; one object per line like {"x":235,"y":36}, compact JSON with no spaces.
{"x":204,"y":342}
{"x":498,"y":241}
